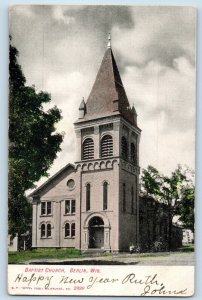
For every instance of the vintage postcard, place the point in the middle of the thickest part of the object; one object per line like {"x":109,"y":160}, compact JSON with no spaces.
{"x":101,"y":150}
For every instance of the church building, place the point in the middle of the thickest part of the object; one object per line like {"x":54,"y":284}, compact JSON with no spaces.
{"x":94,"y":203}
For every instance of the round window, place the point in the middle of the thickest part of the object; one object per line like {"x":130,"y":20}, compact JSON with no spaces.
{"x":70,"y":184}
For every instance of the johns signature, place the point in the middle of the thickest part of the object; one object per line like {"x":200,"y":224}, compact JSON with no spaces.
{"x":152,"y":285}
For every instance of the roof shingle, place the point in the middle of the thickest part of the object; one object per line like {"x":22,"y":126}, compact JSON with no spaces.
{"x":108,"y":96}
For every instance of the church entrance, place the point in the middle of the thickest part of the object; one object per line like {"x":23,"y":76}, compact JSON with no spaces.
{"x":96,"y":233}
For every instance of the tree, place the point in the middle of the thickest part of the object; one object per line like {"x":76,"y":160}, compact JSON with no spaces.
{"x":33,"y":142}
{"x":175,"y":191}
{"x":186,"y":208}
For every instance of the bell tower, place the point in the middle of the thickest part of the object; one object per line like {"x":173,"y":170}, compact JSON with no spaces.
{"x":108,"y":163}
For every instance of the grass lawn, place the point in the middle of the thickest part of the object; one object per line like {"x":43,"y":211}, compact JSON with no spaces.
{"x":65,"y":253}
{"x":187,"y":248}
{"x":43,"y":253}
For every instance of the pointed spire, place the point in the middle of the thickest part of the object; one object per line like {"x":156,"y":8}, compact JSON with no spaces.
{"x":82,"y":109}
{"x":108,"y":96}
{"x":134,"y":114}
{"x":109,"y":41}
{"x":82,"y":105}
{"x":134,"y":110}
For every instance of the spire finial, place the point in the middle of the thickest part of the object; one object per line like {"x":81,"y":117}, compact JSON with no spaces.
{"x":109,"y":41}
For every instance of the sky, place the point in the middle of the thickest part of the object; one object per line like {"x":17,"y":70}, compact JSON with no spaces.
{"x":61,"y":49}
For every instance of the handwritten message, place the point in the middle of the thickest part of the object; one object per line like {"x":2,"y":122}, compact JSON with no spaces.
{"x":102,"y":280}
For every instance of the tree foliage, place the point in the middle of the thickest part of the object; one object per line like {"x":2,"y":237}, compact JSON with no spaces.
{"x":176,"y":191}
{"x":33,"y":141}
{"x":186,"y":208}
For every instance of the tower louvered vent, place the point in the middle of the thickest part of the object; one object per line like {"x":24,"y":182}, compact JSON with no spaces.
{"x":88,"y":149}
{"x":124,"y":148}
{"x":106,"y":146}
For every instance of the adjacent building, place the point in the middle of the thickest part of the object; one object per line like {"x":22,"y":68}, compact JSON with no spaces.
{"x":154,"y":226}
{"x":188,"y":237}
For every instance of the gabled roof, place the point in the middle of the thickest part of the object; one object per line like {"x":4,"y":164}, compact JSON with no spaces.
{"x":52,"y":181}
{"x":108,"y":96}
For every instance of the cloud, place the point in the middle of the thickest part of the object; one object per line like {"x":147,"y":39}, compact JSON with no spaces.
{"x":160,"y":34}
{"x":61,"y":48}
{"x":157,"y":62}
{"x":156,"y":88}
{"x":60,"y":16}
{"x":164,"y":98}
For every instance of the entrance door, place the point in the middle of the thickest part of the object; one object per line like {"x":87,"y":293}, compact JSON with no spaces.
{"x":96,"y":233}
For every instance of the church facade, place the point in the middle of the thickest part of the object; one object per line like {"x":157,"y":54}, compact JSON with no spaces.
{"x":94,"y":204}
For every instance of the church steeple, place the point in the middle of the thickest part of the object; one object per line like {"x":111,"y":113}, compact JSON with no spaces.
{"x":108,"y":96}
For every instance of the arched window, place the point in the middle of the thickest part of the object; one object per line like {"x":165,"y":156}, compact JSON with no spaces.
{"x":105,"y":195}
{"x":132,"y":200}
{"x":106,"y":146}
{"x":73,"y":230}
{"x":124,"y":197}
{"x":70,"y":230}
{"x":124,"y":148}
{"x":132,"y":153}
{"x":67,"y":230}
{"x":88,"y":196}
{"x":88,"y":149}
{"x":43,"y":230}
{"x":48,"y":230}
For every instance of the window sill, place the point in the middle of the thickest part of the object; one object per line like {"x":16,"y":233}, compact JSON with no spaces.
{"x":69,"y":214}
{"x":69,"y":238}
{"x":45,"y":238}
{"x":46,"y":215}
